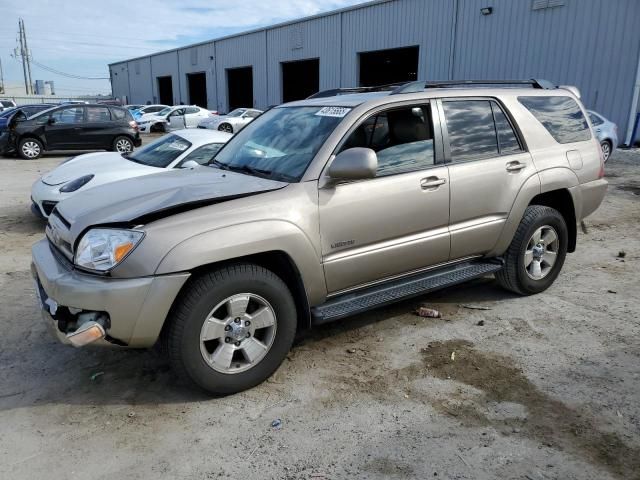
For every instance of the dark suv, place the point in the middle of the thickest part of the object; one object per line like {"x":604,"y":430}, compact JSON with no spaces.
{"x":71,"y":127}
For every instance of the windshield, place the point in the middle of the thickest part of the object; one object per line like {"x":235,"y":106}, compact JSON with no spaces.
{"x":279,"y":144}
{"x":160,"y":153}
{"x":237,"y":112}
{"x":164,"y":111}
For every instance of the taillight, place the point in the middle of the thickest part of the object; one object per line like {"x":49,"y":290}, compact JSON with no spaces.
{"x":213,"y":114}
{"x":133,"y":124}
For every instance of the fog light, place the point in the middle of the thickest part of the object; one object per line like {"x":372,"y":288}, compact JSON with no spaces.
{"x":88,"y":332}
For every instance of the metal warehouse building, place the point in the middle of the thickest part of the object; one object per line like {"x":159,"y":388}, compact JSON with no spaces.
{"x":593,"y":44}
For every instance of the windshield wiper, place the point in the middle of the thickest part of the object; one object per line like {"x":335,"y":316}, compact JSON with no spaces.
{"x":219,"y":164}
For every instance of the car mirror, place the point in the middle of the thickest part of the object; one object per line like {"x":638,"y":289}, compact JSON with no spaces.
{"x":190,"y":164}
{"x":354,"y":164}
{"x":51,"y":121}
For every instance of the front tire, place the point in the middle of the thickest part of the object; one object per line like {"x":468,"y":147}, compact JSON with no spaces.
{"x":231,"y":328}
{"x":122,"y":144}
{"x":537,"y":252}
{"x":30,"y":148}
{"x":225,"y":127}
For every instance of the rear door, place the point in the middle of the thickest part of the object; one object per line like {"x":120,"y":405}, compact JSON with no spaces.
{"x":64,"y":130}
{"x":99,"y":130}
{"x":396,"y":222}
{"x":488,"y":165}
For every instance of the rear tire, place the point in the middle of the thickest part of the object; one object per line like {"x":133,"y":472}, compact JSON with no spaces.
{"x":231,"y":328}
{"x":606,"y":149}
{"x":537,"y":252}
{"x":30,"y":148}
{"x":122,"y":144}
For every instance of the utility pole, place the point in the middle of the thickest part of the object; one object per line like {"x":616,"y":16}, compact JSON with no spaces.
{"x":26,"y":49}
{"x":1,"y":78}
{"x":23,"y":56}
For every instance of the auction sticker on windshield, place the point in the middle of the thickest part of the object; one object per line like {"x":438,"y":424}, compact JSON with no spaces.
{"x":338,"y":112}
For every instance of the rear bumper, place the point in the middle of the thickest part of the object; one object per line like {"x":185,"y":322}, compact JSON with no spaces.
{"x":135,"y":308}
{"x":592,"y":194}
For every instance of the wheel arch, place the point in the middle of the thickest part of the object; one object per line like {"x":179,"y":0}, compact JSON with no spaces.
{"x":31,"y":135}
{"x":562,"y":201}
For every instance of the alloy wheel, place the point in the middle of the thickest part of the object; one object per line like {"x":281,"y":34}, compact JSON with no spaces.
{"x":541,"y":252}
{"x":123,"y":146}
{"x":238,"y":333}
{"x":606,"y":150}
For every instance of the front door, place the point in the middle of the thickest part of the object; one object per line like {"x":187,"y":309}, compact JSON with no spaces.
{"x":64,"y":129}
{"x":488,"y":167}
{"x":396,"y":222}
{"x":177,"y":120}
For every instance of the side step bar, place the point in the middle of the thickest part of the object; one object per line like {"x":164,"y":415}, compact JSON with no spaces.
{"x":395,"y":290}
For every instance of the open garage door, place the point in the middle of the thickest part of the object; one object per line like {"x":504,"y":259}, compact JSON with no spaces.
{"x":197,"y":83}
{"x":240,"y":87}
{"x":300,"y":79}
{"x":165,"y":90}
{"x":388,"y":66}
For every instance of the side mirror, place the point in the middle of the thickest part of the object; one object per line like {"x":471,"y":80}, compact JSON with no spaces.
{"x":354,"y":164}
{"x":51,"y":121}
{"x":190,"y":164}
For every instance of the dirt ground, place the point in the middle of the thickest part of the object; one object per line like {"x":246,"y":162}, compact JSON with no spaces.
{"x":542,"y":387}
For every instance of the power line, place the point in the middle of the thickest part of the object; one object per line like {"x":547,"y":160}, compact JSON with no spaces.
{"x":68,"y":75}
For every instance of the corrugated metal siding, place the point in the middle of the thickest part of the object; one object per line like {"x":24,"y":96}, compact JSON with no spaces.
{"x":592,"y":44}
{"x":202,"y":54}
{"x":243,"y":51}
{"x":318,"y":38}
{"x":140,"y":81}
{"x":399,"y":24}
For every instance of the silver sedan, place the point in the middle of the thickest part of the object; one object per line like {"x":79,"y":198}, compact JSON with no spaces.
{"x":606,"y":131}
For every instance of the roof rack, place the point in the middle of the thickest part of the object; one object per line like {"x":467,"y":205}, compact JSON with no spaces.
{"x":346,"y":91}
{"x":415,"y":87}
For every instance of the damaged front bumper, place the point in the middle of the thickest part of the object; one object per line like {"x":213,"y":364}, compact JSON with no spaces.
{"x":81,"y":308}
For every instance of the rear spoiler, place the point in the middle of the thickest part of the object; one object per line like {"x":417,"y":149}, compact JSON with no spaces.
{"x":572,"y":89}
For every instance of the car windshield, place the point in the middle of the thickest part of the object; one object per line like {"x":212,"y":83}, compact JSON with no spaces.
{"x":160,"y":153}
{"x":281,"y":143}
{"x":164,"y":111}
{"x":237,"y":112}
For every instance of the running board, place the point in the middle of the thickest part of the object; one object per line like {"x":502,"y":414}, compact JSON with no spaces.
{"x":352,"y":303}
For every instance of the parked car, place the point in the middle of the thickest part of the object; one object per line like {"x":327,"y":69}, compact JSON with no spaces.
{"x":173,"y":118}
{"x":317,"y":210}
{"x":133,"y":108}
{"x":144,"y":109}
{"x":232,"y":122}
{"x":70,"y":127}
{"x":6,"y":104}
{"x":180,"y":149}
{"x":606,"y":131}
{"x":28,"y":110}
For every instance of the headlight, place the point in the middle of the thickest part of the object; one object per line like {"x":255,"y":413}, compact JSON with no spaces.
{"x":76,"y":184}
{"x":101,"y":249}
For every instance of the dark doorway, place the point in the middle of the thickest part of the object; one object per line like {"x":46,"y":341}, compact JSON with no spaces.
{"x":240,"y":87}
{"x":388,"y":66}
{"x":165,"y":90}
{"x":300,"y":79}
{"x":197,"y":83}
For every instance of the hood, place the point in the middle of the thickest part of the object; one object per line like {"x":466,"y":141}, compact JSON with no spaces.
{"x":144,"y":199}
{"x":96,"y":164}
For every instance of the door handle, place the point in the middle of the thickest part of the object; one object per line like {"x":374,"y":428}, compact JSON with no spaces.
{"x":515,"y":166}
{"x":431,"y":183}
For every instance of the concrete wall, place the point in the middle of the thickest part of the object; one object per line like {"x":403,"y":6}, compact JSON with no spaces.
{"x":593,"y":44}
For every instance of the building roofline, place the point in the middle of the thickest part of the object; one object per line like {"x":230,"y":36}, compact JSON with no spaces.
{"x":258,"y":30}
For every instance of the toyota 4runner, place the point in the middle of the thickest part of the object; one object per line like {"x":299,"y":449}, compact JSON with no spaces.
{"x":320,"y":209}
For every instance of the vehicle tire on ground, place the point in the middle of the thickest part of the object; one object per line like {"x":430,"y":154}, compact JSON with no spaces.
{"x":122,"y":144}
{"x":230,"y":328}
{"x":537,"y":252}
{"x":157,"y":128}
{"x":605,"y":145}
{"x":30,"y":148}
{"x":225,"y":127}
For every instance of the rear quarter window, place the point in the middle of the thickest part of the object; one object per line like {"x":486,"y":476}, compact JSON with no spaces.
{"x":121,"y":114}
{"x":561,"y":116}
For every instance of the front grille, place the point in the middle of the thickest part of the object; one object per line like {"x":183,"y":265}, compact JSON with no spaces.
{"x":48,"y":206}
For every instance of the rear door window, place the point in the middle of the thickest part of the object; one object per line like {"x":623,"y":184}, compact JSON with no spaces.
{"x":561,"y":116}
{"x":98,"y":114}
{"x":472,"y":132}
{"x":68,"y":115}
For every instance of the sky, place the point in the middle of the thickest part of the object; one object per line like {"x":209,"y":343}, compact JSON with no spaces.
{"x":81,"y":37}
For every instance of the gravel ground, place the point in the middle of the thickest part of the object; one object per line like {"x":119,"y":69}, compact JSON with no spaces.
{"x":542,"y":387}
